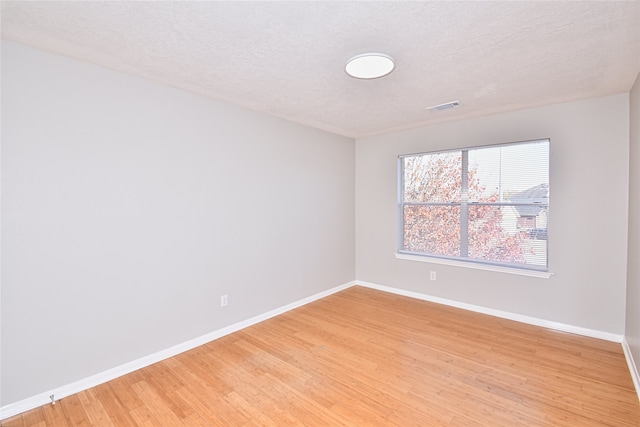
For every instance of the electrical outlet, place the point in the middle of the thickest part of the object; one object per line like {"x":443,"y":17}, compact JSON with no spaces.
{"x":224,"y":300}
{"x":432,"y":275}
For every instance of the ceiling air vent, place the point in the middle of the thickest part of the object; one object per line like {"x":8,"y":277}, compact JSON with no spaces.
{"x":445,"y":106}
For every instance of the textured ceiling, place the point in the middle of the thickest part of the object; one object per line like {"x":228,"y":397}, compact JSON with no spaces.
{"x":287,"y":58}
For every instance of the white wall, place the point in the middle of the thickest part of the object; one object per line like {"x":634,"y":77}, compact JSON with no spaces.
{"x":632,"y":331}
{"x":589,"y":190}
{"x":129,"y":207}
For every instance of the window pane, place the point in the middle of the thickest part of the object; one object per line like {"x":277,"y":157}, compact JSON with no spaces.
{"x":433,"y":178}
{"x":518,"y":173}
{"x":496,"y":234}
{"x":486,"y":204}
{"x":432,"y":230}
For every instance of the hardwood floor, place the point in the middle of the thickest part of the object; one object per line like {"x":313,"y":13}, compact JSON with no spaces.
{"x":367,"y":358}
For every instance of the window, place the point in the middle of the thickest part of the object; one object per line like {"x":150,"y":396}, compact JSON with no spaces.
{"x":485,"y":205}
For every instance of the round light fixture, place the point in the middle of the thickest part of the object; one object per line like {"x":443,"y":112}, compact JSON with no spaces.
{"x":369,"y":66}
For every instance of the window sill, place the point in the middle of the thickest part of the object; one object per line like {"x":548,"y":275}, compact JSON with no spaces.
{"x":517,"y":271}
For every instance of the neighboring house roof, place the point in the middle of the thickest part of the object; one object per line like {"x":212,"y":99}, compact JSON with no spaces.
{"x":538,"y":194}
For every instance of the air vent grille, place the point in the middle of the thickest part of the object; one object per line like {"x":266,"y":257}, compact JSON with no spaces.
{"x":445,"y":106}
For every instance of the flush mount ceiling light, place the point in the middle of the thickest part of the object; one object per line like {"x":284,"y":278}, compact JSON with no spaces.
{"x":369,"y":66}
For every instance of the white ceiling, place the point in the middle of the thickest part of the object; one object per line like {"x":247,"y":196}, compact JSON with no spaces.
{"x":287,"y":58}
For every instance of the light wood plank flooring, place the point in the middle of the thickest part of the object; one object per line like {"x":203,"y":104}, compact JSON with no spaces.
{"x":366,"y":358}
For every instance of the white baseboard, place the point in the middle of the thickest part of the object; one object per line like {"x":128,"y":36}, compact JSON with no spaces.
{"x":498,"y":313}
{"x":40,"y":399}
{"x":633,"y":368}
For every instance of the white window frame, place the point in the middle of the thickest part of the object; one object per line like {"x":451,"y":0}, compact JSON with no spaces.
{"x":463,"y":260}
